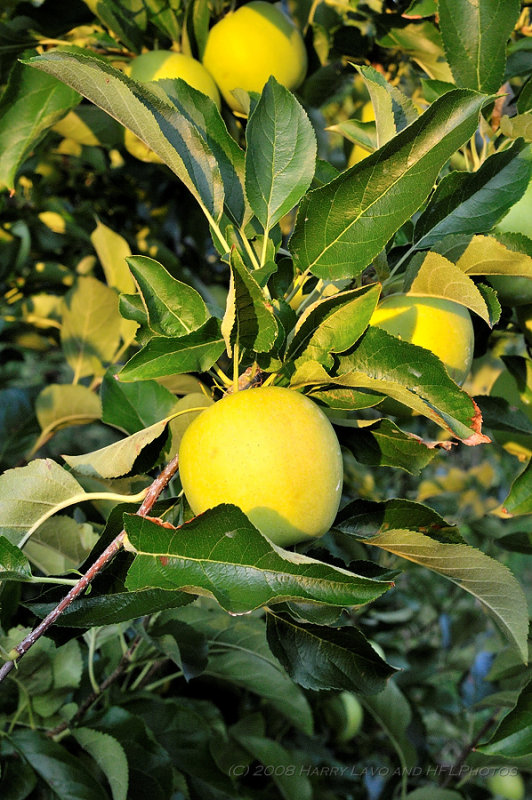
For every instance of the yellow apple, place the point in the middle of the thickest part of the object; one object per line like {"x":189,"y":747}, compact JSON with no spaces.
{"x":273,"y":453}
{"x":158,"y":65}
{"x":439,"y":325}
{"x":248,"y":45}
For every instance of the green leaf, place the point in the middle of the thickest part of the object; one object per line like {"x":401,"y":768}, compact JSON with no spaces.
{"x":18,"y":425}
{"x":173,"y":307}
{"x":343,"y":225}
{"x":394,"y":111}
{"x":30,"y":105}
{"x":160,"y":735}
{"x":413,"y":376}
{"x":422,"y":43}
{"x":204,"y":116}
{"x":486,"y":579}
{"x":321,"y":658}
{"x":291,"y":786}
{"x":134,"y":406}
{"x":485,"y":255}
{"x":112,"y":609}
{"x":195,"y":352}
{"x":518,"y":126}
{"x":155,"y":120}
{"x":116,"y":459}
{"x":181,"y":643}
{"x":478,"y":59}
{"x":18,"y":780}
{"x":392,"y":711}
{"x":332,"y":325}
{"x":473,"y":202}
{"x":61,"y":405}
{"x":341,"y":400}
{"x":280,"y":154}
{"x":248,"y":320}
{"x":14,"y":566}
{"x":90,"y":330}
{"x":513,"y":737}
{"x":436,"y":276}
{"x":67,"y":666}
{"x":220,"y":554}
{"x":110,"y":757}
{"x":31,"y":494}
{"x":524,"y":101}
{"x":519,"y":499}
{"x":112,"y":251}
{"x":63,"y":773}
{"x":239,"y":654}
{"x":356,"y":131}
{"x":125,"y":18}
{"x":435,"y":794}
{"x":383,"y":444}
{"x":60,"y":544}
{"x":91,"y":127}
{"x":366,"y":518}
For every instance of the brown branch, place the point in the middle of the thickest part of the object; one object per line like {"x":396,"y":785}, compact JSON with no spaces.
{"x":108,"y":554}
{"x":94,"y":696}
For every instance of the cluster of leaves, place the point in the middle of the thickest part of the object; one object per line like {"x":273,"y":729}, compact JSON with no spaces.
{"x":129,"y":324}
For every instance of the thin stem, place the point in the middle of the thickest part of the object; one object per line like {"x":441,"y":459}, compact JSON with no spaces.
{"x":108,"y":554}
{"x":81,"y":498}
{"x":58,"y":581}
{"x":249,"y":250}
{"x":216,"y":228}
{"x":140,"y":677}
{"x":402,"y":260}
{"x":456,"y":768}
{"x":296,"y":283}
{"x":311,"y":14}
{"x":221,"y":374}
{"x":264,"y":249}
{"x":92,"y":649}
{"x":151,"y":686}
{"x":236,"y":358}
{"x":270,"y":379}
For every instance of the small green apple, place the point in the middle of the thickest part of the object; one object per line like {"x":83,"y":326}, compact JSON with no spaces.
{"x":512,"y":290}
{"x":344,"y":715}
{"x":509,"y":786}
{"x":273,"y":453}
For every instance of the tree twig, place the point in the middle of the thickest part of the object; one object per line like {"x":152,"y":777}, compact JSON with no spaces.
{"x":456,"y":768}
{"x":108,"y":554}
